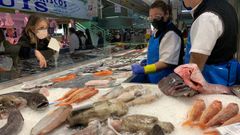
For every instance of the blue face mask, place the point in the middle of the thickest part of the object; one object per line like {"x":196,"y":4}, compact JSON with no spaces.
{"x":188,"y":8}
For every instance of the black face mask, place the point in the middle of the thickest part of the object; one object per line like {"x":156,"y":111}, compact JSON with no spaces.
{"x":159,"y":24}
{"x":188,"y":8}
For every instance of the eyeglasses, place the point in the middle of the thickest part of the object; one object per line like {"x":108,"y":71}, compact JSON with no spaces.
{"x":157,"y":17}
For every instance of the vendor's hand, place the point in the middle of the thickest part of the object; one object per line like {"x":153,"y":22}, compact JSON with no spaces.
{"x":41,"y":58}
{"x":143,"y":62}
{"x":137,"y":69}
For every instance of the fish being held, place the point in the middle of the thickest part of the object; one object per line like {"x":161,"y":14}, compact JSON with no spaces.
{"x":51,"y":121}
{"x":193,"y":77}
{"x":195,"y":113}
{"x":236,"y":90}
{"x":173,"y":85}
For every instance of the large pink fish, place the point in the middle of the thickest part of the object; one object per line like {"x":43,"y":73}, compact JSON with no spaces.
{"x":193,"y":77}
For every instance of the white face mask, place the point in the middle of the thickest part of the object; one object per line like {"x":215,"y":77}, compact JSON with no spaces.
{"x":41,"y":34}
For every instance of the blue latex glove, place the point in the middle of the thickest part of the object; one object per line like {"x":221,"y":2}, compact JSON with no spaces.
{"x":137,"y":69}
{"x":143,"y":62}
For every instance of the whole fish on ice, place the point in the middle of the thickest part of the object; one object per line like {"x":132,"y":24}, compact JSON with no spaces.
{"x":100,"y":110}
{"x":233,"y":120}
{"x":210,"y":112}
{"x":225,"y":114}
{"x":14,"y":118}
{"x":195,"y":113}
{"x":35,"y":101}
{"x":144,"y":99}
{"x":95,"y":127}
{"x":51,"y":121}
{"x":115,"y":92}
{"x":144,"y":123}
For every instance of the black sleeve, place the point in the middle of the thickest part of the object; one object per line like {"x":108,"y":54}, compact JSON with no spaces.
{"x":25,"y":46}
{"x":24,"y":41}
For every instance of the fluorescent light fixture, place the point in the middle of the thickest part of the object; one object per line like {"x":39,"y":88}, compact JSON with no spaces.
{"x":109,"y":17}
{"x":186,"y":11}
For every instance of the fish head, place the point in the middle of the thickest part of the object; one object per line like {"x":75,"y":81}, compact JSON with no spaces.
{"x":156,"y":130}
{"x":6,"y":104}
{"x":236,"y":90}
{"x":37,"y":101}
{"x":173,"y":85}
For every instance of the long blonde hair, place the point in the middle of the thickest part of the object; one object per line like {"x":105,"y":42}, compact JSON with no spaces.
{"x":31,"y":25}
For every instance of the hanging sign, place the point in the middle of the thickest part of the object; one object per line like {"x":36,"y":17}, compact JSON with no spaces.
{"x":67,"y":8}
{"x":117,"y":8}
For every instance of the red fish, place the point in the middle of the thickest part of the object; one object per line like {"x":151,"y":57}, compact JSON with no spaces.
{"x":210,"y":112}
{"x":224,"y":115}
{"x":195,"y":113}
{"x":81,"y":96}
{"x":233,"y":120}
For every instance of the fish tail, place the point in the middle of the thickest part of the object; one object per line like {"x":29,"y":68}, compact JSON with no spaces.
{"x":187,"y":123}
{"x":60,"y":99}
{"x":200,"y":125}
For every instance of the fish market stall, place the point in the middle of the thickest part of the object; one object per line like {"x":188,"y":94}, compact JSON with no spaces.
{"x":166,"y":108}
{"x":60,"y":85}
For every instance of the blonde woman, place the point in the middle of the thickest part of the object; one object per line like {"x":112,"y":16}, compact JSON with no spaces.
{"x":35,"y":40}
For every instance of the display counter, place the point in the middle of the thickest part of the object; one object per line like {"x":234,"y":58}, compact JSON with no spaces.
{"x":165,"y":108}
{"x":30,"y":67}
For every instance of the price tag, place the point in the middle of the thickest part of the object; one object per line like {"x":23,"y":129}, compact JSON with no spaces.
{"x":54,"y":44}
{"x":233,"y":129}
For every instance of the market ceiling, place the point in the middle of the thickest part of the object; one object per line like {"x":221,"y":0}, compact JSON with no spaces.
{"x":136,"y":5}
{"x":141,"y":6}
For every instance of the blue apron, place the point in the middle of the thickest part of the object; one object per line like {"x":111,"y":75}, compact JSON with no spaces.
{"x":153,"y":57}
{"x":227,"y":73}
